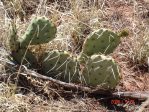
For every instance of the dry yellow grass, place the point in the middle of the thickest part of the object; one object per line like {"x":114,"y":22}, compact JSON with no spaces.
{"x":75,"y":19}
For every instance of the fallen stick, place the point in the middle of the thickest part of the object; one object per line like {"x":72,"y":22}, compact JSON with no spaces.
{"x":70,"y":86}
{"x":136,"y":95}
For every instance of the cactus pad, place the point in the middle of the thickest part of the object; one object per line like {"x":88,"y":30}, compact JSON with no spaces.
{"x":100,"y":70}
{"x":60,"y":65}
{"x":13,"y":40}
{"x":21,"y":56}
{"x":40,"y":31}
{"x":101,"y":41}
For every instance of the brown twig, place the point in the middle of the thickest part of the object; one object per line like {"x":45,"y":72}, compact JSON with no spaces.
{"x":135,"y":95}
{"x":66,"y":85}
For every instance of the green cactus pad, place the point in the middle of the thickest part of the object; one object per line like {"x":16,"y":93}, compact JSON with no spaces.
{"x":100,"y":70}
{"x":60,"y":65}
{"x":13,"y":40}
{"x":21,"y":56}
{"x":40,"y":31}
{"x":102,"y":41}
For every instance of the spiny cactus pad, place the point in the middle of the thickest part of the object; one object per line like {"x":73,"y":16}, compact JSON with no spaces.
{"x":60,"y":65}
{"x":40,"y":31}
{"x":13,"y":40}
{"x":23,"y":56}
{"x":101,"y":41}
{"x":100,"y":70}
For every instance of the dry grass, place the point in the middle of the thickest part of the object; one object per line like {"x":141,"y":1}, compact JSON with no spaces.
{"x":10,"y":101}
{"x":75,"y":19}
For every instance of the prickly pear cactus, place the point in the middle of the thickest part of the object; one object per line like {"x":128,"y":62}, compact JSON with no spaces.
{"x":13,"y":41}
{"x":101,"y":70}
{"x":102,"y":41}
{"x":88,"y":67}
{"x":20,"y":55}
{"x":60,"y":65}
{"x":25,"y":57}
{"x":40,"y":31}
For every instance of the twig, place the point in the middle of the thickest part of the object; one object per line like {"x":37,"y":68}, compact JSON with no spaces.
{"x":136,"y":95}
{"x":66,"y":85}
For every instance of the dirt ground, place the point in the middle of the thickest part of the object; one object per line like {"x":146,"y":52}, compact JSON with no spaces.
{"x":117,"y":15}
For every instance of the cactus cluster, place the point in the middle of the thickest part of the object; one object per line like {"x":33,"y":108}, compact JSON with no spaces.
{"x":90,"y":67}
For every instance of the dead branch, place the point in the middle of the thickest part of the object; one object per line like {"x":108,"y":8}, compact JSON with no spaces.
{"x":64,"y":84}
{"x":71,"y":86}
{"x":136,"y":95}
